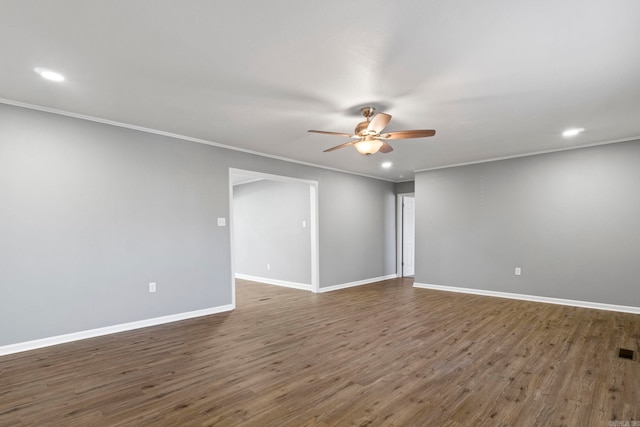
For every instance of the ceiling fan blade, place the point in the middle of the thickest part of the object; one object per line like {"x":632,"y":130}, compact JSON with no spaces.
{"x":346,"y":144}
{"x":332,"y":133}
{"x":386,"y":148}
{"x":379,"y":122}
{"x":406,"y":134}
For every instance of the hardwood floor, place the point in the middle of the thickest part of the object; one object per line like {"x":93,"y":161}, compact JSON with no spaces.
{"x":380,"y":354}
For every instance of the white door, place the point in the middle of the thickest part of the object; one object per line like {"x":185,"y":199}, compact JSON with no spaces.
{"x":408,"y":235}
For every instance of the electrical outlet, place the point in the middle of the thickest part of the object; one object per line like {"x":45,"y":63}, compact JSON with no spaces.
{"x":304,"y":224}
{"x":518,"y":271}
{"x":152,"y":287}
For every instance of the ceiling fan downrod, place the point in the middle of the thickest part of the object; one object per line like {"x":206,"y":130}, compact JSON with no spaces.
{"x":368,"y":112}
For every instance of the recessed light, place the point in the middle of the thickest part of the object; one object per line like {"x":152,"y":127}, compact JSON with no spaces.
{"x":49,"y":75}
{"x":387,"y":165}
{"x":572,"y":132}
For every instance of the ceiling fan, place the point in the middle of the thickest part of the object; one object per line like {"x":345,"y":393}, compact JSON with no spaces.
{"x":370,"y":139}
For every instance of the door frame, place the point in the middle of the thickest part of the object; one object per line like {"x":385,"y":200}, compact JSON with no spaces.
{"x":399,"y":236}
{"x":313,"y":223}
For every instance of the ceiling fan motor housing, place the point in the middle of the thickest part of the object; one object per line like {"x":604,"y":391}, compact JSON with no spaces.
{"x":361,"y":129}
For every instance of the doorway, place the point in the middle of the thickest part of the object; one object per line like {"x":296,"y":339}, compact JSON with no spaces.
{"x":265,"y":225}
{"x":406,"y":235}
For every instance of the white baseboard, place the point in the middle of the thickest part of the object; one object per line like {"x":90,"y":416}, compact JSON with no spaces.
{"x":357,"y":283}
{"x":534,"y":298}
{"x":76,"y":336}
{"x":276,"y":282}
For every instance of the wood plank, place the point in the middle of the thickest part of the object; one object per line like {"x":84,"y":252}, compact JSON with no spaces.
{"x":380,"y":354}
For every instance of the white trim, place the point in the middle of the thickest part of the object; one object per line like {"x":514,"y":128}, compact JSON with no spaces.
{"x":92,"y":333}
{"x":534,"y":298}
{"x":286,"y":284}
{"x":315,"y":237}
{"x":177,"y":136}
{"x":357,"y":283}
{"x":533,"y":153}
{"x":232,"y":262}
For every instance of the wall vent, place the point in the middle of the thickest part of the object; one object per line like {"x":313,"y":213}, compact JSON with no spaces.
{"x":625,"y":353}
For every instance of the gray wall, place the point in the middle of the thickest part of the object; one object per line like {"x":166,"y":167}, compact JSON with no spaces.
{"x":268,"y":229}
{"x":405,"y":187}
{"x":92,"y":213}
{"x":361,"y":231}
{"x":570,"y":220}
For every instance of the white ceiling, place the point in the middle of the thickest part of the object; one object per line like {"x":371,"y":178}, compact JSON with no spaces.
{"x":494,"y":78}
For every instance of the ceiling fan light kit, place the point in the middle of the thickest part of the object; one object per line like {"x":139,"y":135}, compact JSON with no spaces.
{"x":371,"y":140}
{"x":368,"y":146}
